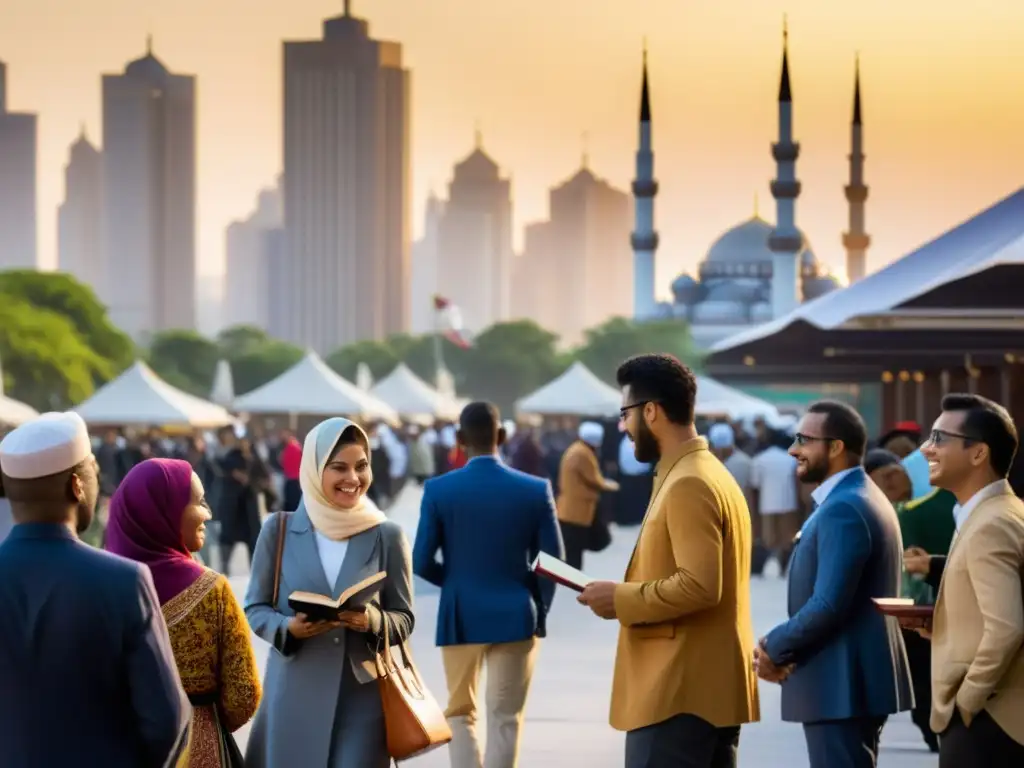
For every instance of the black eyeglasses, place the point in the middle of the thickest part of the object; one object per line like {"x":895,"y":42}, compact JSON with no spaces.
{"x":942,"y":437}
{"x":624,"y":410}
{"x":801,"y":439}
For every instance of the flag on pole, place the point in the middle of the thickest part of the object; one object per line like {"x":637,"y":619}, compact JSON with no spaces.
{"x":449,"y":322}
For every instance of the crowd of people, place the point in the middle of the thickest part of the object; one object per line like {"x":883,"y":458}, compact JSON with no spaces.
{"x":143,"y":654}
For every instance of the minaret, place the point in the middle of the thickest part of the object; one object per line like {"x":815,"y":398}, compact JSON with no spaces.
{"x":785,"y":241}
{"x":856,"y":240}
{"x":644,"y":238}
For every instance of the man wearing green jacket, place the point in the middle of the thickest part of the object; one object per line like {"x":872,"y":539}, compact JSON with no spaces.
{"x":927,"y":526}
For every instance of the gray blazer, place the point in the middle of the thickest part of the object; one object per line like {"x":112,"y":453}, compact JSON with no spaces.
{"x":304,"y":681}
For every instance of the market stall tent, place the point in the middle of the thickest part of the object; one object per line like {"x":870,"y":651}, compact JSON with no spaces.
{"x":412,"y":397}
{"x":311,"y":388}
{"x":140,"y":397}
{"x":578,"y":392}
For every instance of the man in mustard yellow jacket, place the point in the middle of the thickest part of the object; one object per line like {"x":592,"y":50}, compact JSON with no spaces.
{"x":684,"y":682}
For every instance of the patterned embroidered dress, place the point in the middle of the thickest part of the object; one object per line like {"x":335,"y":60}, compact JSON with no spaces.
{"x":210,"y":638}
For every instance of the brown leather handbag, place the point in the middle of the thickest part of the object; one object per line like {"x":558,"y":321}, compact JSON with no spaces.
{"x":413,"y":720}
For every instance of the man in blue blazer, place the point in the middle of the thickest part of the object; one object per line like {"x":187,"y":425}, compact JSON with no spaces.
{"x":489,"y":522}
{"x":843,"y":664}
{"x":88,"y":674}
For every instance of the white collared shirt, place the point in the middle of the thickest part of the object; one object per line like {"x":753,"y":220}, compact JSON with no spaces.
{"x":821,"y":493}
{"x":961,"y":513}
{"x":332,"y":555}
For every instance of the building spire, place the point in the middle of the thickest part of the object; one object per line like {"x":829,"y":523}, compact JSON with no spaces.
{"x":585,"y":154}
{"x":645,"y":95}
{"x":149,"y":44}
{"x":856,"y":90}
{"x":856,"y":240}
{"x":785,"y":92}
{"x":757,"y":213}
{"x":348,"y":8}
{"x":478,"y":135}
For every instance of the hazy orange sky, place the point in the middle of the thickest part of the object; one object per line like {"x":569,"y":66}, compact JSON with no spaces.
{"x":943,"y":89}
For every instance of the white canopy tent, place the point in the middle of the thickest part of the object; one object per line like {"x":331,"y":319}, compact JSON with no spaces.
{"x":223,"y":390}
{"x":578,"y":392}
{"x":140,"y":397}
{"x":311,"y":388}
{"x":413,"y":398}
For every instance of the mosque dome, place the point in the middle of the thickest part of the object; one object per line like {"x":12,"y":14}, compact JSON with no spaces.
{"x":686,"y":290}
{"x":743,"y":291}
{"x":714,"y":311}
{"x":148,"y":67}
{"x":815,"y":287}
{"x":744,"y":243}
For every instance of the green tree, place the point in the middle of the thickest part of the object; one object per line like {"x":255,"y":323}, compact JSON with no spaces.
{"x":46,"y":363}
{"x":240,"y":340}
{"x":64,"y":295}
{"x":420,"y":355}
{"x":258,"y":365}
{"x":379,"y":356}
{"x":185,"y":359}
{"x":607,"y":345}
{"x":510,"y":360}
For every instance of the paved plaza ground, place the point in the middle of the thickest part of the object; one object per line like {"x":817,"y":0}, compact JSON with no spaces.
{"x":566,"y":717}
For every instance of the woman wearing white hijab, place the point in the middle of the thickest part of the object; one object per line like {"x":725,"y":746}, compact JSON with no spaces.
{"x":321,"y":706}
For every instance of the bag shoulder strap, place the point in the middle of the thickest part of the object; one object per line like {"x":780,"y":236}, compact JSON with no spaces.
{"x":282,"y":525}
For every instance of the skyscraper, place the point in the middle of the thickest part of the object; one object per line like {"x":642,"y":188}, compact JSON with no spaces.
{"x":575,"y":272}
{"x":80,"y":216}
{"x":18,"y":141}
{"x":346,"y":187}
{"x":475,"y":241}
{"x":149,"y":182}
{"x":247,"y":287}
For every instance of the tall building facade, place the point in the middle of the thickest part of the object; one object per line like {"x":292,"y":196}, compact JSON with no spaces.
{"x":149,"y":181}
{"x":645,"y":238}
{"x":575,"y":272}
{"x":248,"y":291}
{"x":856,"y":239}
{"x":80,"y":216}
{"x":475,"y":242}
{"x":423,"y":285}
{"x":18,"y":206}
{"x":346,"y":187}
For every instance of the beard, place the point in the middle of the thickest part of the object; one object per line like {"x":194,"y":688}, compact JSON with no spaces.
{"x":814,"y":473}
{"x":645,"y":447}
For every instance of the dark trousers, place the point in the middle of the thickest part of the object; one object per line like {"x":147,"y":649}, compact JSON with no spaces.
{"x":575,"y":538}
{"x":844,"y":743}
{"x":683,"y":741}
{"x":919,"y":657}
{"x":983,"y":744}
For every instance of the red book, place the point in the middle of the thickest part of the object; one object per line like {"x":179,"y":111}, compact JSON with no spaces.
{"x":560,"y":572}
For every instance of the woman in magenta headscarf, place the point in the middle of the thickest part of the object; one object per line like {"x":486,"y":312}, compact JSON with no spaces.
{"x":158,"y":517}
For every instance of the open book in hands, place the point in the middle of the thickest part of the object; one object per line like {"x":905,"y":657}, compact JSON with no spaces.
{"x":909,"y":615}
{"x":560,"y":572}
{"x":323,"y":608}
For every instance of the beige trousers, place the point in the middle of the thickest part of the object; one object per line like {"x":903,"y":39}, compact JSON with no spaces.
{"x":509,"y":670}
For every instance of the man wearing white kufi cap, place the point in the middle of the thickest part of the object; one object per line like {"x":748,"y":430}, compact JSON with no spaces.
{"x":87,"y":668}
{"x":580,"y":484}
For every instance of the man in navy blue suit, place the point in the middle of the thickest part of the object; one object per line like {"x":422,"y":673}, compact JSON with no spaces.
{"x":843,"y":664}
{"x":88,"y":674}
{"x":489,"y":522}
